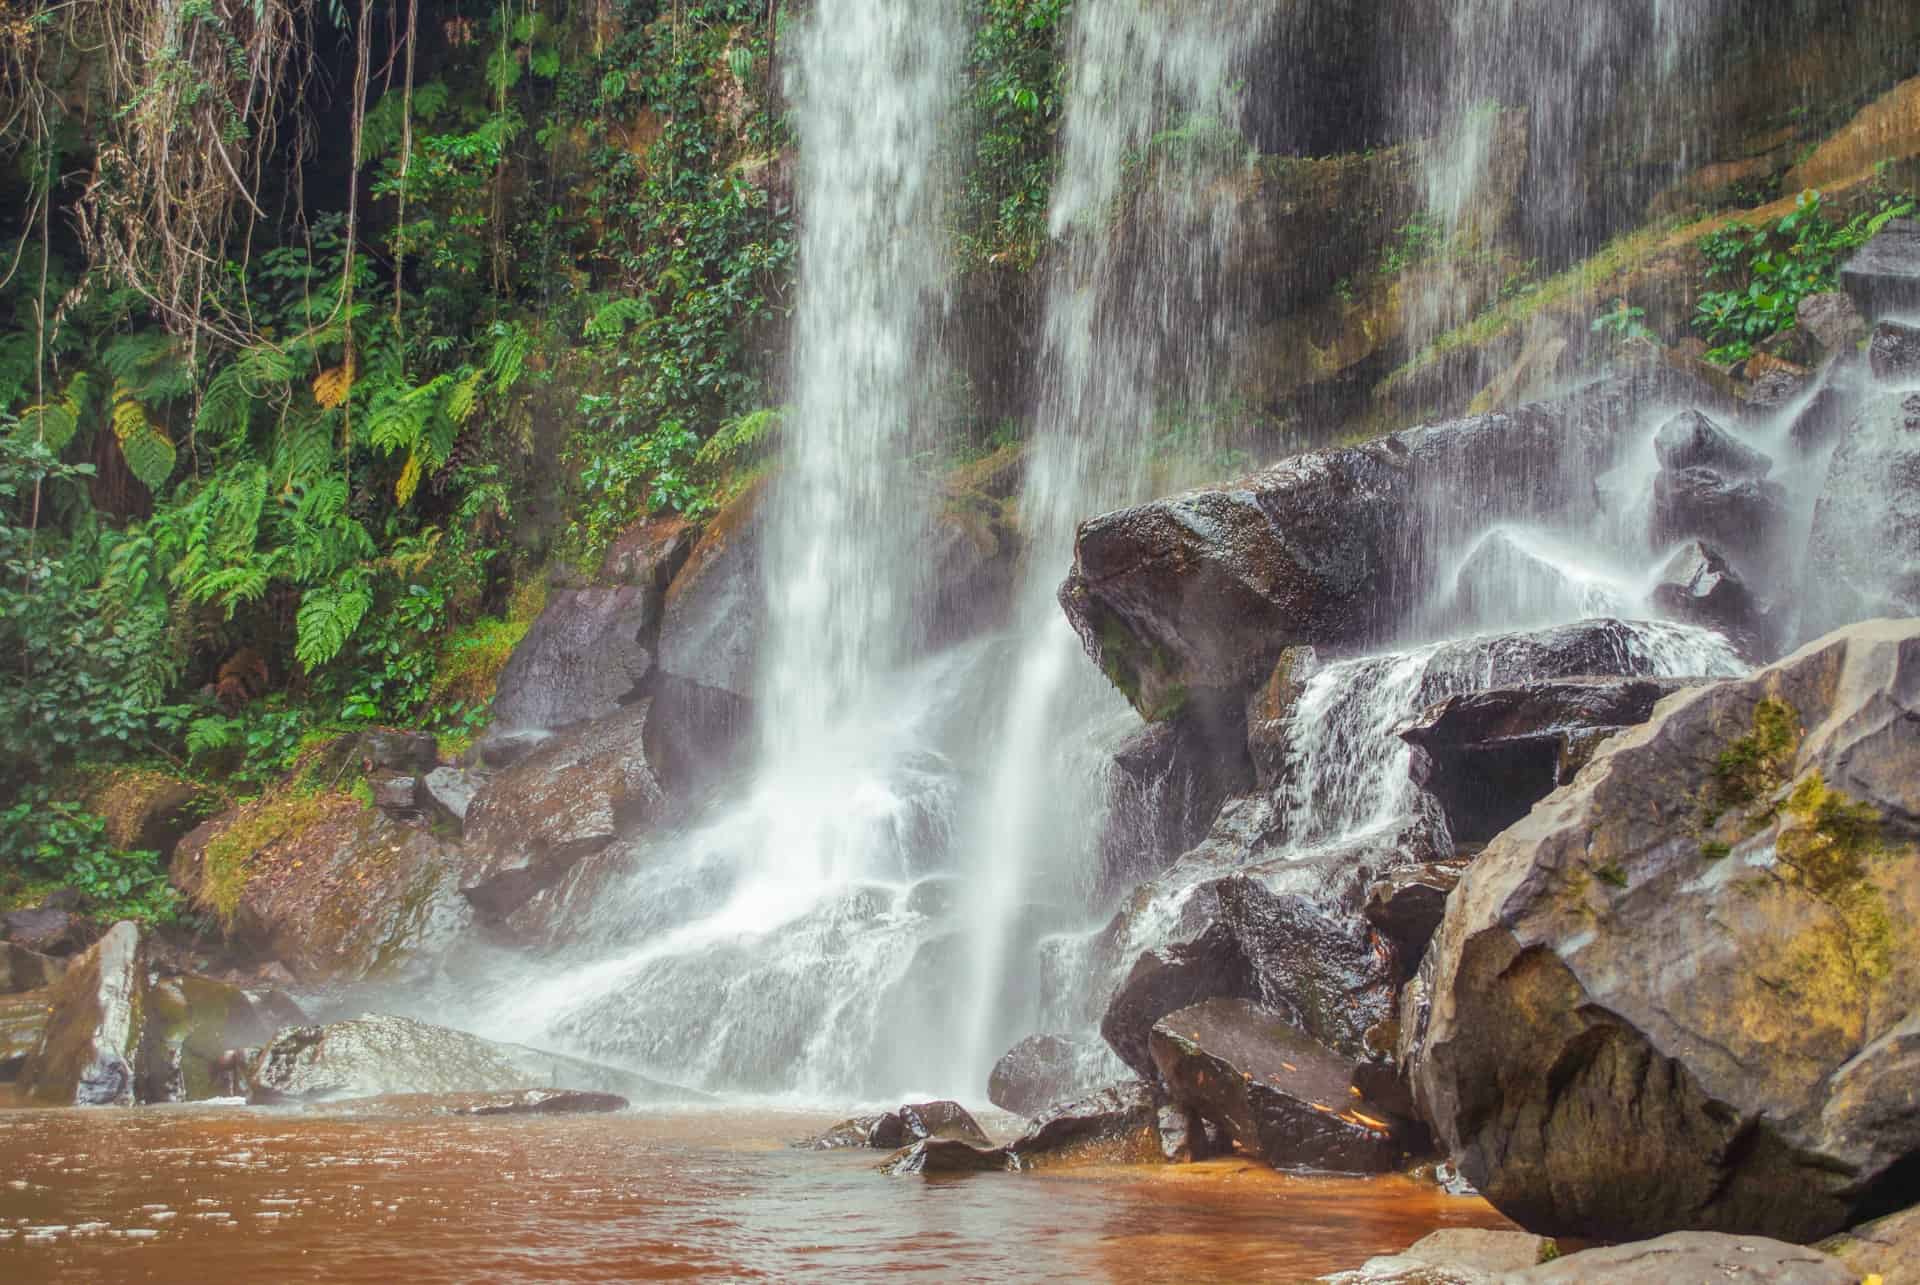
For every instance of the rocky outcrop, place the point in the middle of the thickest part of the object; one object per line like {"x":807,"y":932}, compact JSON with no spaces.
{"x":1883,"y":277}
{"x":1699,"y":586}
{"x":1864,"y":551}
{"x":1681,"y":991}
{"x":946,"y":1156}
{"x":529,"y":824}
{"x":380,"y":1054}
{"x":23,"y":1020}
{"x":1884,"y":1246}
{"x":1196,"y":596}
{"x":1455,"y":1256}
{"x":1489,"y":756}
{"x":713,"y":614}
{"x":1116,"y":1125}
{"x":583,"y":657}
{"x":145,"y":810}
{"x":1036,"y":1073}
{"x":1832,"y":322}
{"x":48,"y":929}
{"x":1743,"y":515}
{"x":1165,"y":788}
{"x":1408,"y":905}
{"x":1691,"y":440}
{"x":1274,"y":1090}
{"x":88,"y":1054}
{"x":1893,"y":354}
{"x":332,"y":890}
{"x":1169,"y":978}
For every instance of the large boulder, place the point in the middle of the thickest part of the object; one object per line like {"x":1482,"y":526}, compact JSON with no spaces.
{"x":1682,"y":991}
{"x":1744,"y":516}
{"x":1164,"y":790}
{"x":1863,"y":557}
{"x":89,"y":1052}
{"x":1466,"y":1256}
{"x":1691,"y":440}
{"x":583,"y":657}
{"x":1274,"y":1090}
{"x":901,"y":1127}
{"x":1169,"y":978}
{"x":714,"y":613}
{"x":1893,"y":354}
{"x":567,"y":800}
{"x":1883,"y":276}
{"x":1699,"y":586}
{"x":1831,"y":321}
{"x":335,"y":891}
{"x":1408,"y":905}
{"x":381,"y":1054}
{"x":145,"y":810}
{"x":1489,"y":756}
{"x":1197,"y":595}
{"x":1038,"y":1072}
{"x":1115,"y":1125}
{"x":1455,"y":1256}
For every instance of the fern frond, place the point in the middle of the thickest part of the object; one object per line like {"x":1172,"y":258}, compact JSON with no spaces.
{"x":328,"y":617}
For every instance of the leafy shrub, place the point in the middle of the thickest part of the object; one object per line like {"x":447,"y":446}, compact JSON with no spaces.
{"x":44,"y":839}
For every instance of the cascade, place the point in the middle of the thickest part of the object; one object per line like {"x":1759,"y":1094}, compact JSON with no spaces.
{"x":1135,"y":311}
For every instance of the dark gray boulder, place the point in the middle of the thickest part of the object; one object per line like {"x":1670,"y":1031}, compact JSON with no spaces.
{"x":192,"y":1024}
{"x":1699,"y":586}
{"x":1843,"y":386}
{"x":48,"y":930}
{"x":567,"y":800}
{"x":1170,"y":978}
{"x":714,"y":612}
{"x":26,"y":970}
{"x":1893,"y":354}
{"x":1691,"y":440}
{"x":1115,"y":1125}
{"x":934,"y":1156}
{"x":1680,"y":992}
{"x":584,"y":656}
{"x":1038,"y":1072}
{"x":447,"y":793}
{"x":1165,"y":789}
{"x":1832,"y":321}
{"x":1863,"y":555}
{"x":1744,"y":516}
{"x":1883,"y":276}
{"x":1407,"y":906}
{"x":1489,"y":756}
{"x":1275,"y":1091}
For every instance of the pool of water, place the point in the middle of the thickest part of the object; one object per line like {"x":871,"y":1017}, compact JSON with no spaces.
{"x":398,"y":1193}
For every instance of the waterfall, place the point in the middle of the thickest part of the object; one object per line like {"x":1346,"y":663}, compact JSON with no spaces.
{"x":1138,"y":303}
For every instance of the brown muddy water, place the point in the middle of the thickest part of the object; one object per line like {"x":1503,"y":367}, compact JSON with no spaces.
{"x":208,"y":1194}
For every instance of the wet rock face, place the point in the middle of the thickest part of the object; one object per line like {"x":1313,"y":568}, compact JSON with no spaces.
{"x":582,"y":659}
{"x":23,"y":1020}
{"x":1456,"y":1256}
{"x":88,"y":1053}
{"x":1863,"y":557}
{"x":1168,"y":979}
{"x":933,"y":1156}
{"x":714,"y":614}
{"x":1275,"y":1091}
{"x":914,"y":1122}
{"x":1036,"y":1073}
{"x":1693,"y":1256}
{"x":1166,"y":787}
{"x":379,"y":1054}
{"x":1408,"y":905}
{"x":1884,"y":276}
{"x":192,"y":1024}
{"x":1602,"y":1067}
{"x":1699,"y":586}
{"x":1894,"y":352}
{"x":1883,"y":1246}
{"x":1116,"y":1125}
{"x":1832,"y":321}
{"x":1489,"y":756}
{"x":567,"y":800}
{"x":1744,"y":516}
{"x":1691,"y":440}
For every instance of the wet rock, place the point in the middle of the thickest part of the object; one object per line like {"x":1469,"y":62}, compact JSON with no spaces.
{"x":1275,"y":1091}
{"x":47,"y":930}
{"x":1772,"y":380}
{"x":584,"y":657}
{"x":1198,"y":594}
{"x":1408,"y":904}
{"x":1830,"y":410}
{"x":1693,"y":1256}
{"x":649,"y":554}
{"x":26,"y":970}
{"x":1885,"y":1246}
{"x":1863,"y":555}
{"x":694,"y":734}
{"x":378,"y":750}
{"x":1270,"y":711}
{"x":1743,"y":516}
{"x":1699,"y":586}
{"x":1466,"y":1255}
{"x":334,"y":891}
{"x":278,"y":1009}
{"x":1036,"y":1073}
{"x":23,"y":1021}
{"x":1321,"y":969}
{"x":1691,"y":440}
{"x":1165,"y":788}
{"x":1601,"y":1067}
{"x":881,"y":1132}
{"x":381,"y":1054}
{"x":1502,"y":579}
{"x":943,"y":1120}
{"x":192,"y":1023}
{"x":1171,"y":978}
{"x":1489,"y":756}
{"x":547,"y":1102}
{"x":88,"y":1053}
{"x":447,"y":793}
{"x":714,"y":612}
{"x":1894,"y":352}
{"x":1832,"y":321}
{"x":946,"y":1155}
{"x":567,"y":800}
{"x":1117,"y":1125}
{"x":1883,"y":277}
{"x":1185,"y":1137}
{"x":396,"y":794}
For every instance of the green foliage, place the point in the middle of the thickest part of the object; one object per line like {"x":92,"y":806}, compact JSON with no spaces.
{"x":1771,"y":269}
{"x":742,"y":439}
{"x":1414,"y":241}
{"x":1753,"y":767}
{"x":1622,"y":323}
{"x":42,"y":838}
{"x":1017,"y":72}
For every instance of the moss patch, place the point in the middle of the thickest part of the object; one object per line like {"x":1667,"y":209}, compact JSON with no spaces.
{"x":232,"y":857}
{"x":470,"y":660}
